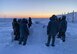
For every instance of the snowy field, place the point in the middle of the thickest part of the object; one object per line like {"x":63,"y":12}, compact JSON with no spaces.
{"x":37,"y":39}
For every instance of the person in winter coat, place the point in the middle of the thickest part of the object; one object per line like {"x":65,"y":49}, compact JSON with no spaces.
{"x":51,"y":30}
{"x":29,"y":22}
{"x":63,"y":28}
{"x":19,"y":20}
{"x":24,"y":32}
{"x":59,"y":33}
{"x":15,"y":28}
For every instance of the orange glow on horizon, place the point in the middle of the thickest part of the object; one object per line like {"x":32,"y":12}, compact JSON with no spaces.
{"x":29,"y":14}
{"x":25,"y":15}
{"x":19,"y":16}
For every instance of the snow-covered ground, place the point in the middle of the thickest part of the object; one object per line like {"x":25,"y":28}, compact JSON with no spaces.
{"x":37,"y":39}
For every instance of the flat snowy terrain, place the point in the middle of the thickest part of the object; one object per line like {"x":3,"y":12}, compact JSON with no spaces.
{"x":37,"y":39}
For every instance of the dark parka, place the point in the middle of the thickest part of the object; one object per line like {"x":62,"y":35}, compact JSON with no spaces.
{"x":52,"y":27}
{"x":24,"y":32}
{"x":63,"y":24}
{"x":29,"y":22}
{"x":15,"y":28}
{"x":52,"y":30}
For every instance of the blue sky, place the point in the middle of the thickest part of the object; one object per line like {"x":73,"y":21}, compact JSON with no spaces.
{"x":35,"y":8}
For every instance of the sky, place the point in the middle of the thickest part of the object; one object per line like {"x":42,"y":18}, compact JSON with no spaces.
{"x":35,"y":8}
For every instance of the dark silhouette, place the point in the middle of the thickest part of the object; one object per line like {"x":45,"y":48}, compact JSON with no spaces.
{"x":59,"y":33}
{"x":15,"y":28}
{"x":19,"y":20}
{"x":24,"y":32}
{"x":51,"y":30}
{"x":29,"y":22}
{"x":63,"y":28}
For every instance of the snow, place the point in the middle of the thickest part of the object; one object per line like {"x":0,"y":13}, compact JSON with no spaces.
{"x":70,"y":16}
{"x":37,"y":39}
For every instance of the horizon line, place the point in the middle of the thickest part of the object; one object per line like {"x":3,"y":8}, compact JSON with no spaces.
{"x":33,"y":16}
{"x":24,"y":17}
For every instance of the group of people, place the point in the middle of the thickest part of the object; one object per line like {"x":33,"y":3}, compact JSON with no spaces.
{"x":56,"y":27}
{"x":21,"y":29}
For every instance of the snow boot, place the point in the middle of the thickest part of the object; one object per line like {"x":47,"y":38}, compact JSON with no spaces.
{"x":47,"y":45}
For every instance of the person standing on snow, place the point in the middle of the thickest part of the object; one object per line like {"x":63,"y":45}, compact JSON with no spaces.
{"x":24,"y":32}
{"x":15,"y":26}
{"x":51,"y":30}
{"x":63,"y":28}
{"x":59,"y":33}
{"x":19,"y":20}
{"x":29,"y":22}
